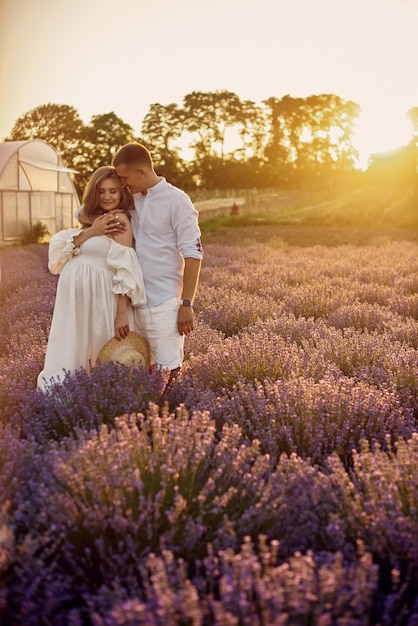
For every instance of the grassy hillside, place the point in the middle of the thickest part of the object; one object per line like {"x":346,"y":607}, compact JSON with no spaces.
{"x":359,"y":217}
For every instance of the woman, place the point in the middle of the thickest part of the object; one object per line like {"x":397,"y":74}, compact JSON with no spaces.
{"x":100,"y":279}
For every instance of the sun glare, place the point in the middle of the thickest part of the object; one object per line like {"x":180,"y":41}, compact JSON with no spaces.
{"x":379,"y":131}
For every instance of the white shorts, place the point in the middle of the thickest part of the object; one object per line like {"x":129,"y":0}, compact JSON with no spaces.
{"x":159,"y":325}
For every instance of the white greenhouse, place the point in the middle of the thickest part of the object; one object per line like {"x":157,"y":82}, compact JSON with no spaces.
{"x":35,"y":186}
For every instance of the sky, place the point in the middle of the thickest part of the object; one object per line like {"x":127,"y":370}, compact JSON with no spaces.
{"x":122,"y":56}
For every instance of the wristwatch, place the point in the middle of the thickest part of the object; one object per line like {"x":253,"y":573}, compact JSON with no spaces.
{"x":186,"y":302}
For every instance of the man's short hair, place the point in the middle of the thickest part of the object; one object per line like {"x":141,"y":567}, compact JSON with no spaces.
{"x":132,"y":154}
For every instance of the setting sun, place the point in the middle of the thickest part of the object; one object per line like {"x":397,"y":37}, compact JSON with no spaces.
{"x":380,"y":130}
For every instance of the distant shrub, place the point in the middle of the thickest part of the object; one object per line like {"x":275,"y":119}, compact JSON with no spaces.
{"x":35,"y":234}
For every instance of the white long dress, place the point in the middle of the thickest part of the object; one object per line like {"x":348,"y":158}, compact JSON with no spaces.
{"x":91,"y":277}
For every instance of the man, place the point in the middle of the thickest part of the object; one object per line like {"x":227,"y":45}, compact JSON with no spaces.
{"x":167,"y":242}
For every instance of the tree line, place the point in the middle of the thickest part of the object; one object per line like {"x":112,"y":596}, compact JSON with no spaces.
{"x":231,"y":143}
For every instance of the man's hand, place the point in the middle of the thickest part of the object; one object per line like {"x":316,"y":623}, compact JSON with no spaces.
{"x":107,"y":224}
{"x":114,"y":222}
{"x":185,"y":320}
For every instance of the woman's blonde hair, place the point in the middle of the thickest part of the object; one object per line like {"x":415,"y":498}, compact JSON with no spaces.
{"x":91,"y":204}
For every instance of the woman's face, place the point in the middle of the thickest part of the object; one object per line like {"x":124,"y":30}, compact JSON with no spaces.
{"x":109,"y":192}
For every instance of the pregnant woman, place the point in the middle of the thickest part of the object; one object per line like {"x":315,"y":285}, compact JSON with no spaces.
{"x":100,"y":279}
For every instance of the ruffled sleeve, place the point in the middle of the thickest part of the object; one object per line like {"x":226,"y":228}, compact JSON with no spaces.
{"x":127,"y":275}
{"x":62,"y":249}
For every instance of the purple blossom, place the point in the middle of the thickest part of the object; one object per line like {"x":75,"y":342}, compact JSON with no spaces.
{"x":274,"y":482}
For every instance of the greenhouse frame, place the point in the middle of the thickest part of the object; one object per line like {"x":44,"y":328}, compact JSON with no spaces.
{"x":35,"y":186}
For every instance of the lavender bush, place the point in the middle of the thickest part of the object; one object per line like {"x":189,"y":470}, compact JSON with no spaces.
{"x":310,"y":418}
{"x":83,"y":403}
{"x":273,"y":483}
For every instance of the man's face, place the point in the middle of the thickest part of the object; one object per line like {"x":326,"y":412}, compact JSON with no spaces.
{"x":132,"y":177}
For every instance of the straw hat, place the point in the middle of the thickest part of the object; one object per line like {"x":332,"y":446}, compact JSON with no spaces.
{"x":133,"y":350}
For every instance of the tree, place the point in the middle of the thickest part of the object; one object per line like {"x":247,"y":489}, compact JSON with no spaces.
{"x":330,"y":125}
{"x":161,"y":128}
{"x":312,"y":135}
{"x":101,"y":138}
{"x":209,"y":115}
{"x":105,"y":134}
{"x":252,"y":130}
{"x":58,"y":124}
{"x":280,"y":139}
{"x":82,"y":148}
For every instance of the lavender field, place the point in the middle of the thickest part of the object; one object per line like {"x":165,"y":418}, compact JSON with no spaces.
{"x":276,"y":483}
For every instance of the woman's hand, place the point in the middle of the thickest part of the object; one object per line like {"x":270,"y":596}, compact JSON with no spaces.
{"x":121,"y":320}
{"x":107,"y":224}
{"x":121,"y":325}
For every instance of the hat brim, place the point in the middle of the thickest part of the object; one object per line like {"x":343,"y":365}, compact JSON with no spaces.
{"x":119,"y":350}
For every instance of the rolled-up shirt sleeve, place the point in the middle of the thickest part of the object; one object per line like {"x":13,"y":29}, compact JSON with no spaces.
{"x":188,"y":231}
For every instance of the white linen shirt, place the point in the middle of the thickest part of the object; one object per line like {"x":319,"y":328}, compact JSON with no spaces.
{"x":166,"y":231}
